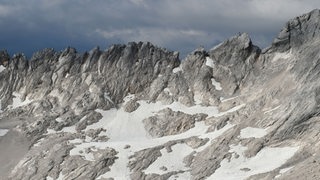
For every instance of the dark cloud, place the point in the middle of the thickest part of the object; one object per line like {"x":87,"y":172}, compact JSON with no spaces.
{"x":182,"y":25}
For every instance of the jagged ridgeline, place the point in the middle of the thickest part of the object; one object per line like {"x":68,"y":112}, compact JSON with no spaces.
{"x":137,"y":111}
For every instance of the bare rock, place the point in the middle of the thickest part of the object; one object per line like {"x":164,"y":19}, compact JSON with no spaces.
{"x":131,"y":106}
{"x":168,"y":122}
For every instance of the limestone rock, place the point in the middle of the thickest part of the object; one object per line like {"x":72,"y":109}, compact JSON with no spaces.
{"x":67,"y":115}
{"x":168,"y":122}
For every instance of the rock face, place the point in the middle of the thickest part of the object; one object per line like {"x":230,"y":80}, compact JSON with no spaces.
{"x":167,"y":122}
{"x":136,"y":111}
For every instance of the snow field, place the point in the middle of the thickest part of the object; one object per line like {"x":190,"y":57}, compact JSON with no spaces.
{"x":216,"y":84}
{"x":125,"y":128}
{"x":209,"y":62}
{"x":268,"y":159}
{"x":3,"y":132}
{"x":250,"y":132}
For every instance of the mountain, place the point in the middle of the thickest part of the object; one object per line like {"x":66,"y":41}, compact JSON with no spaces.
{"x":137,"y":111}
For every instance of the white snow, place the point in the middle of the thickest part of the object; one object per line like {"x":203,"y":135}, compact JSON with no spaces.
{"x":61,"y":176}
{"x":282,"y":171}
{"x":125,"y":128}
{"x":128,"y":98}
{"x":59,"y":119}
{"x":229,"y":99}
{"x":250,"y":132}
{"x":270,"y":110}
{"x":2,"y":68}
{"x":283,"y":55}
{"x":119,"y":169}
{"x":216,"y":84}
{"x":176,"y":70}
{"x":217,"y":46}
{"x":70,"y":129}
{"x":120,"y":124}
{"x":234,"y":109}
{"x":3,"y":132}
{"x":51,"y":131}
{"x":17,"y":102}
{"x":75,"y":141}
{"x":49,"y":178}
{"x":87,"y":156}
{"x":173,"y":161}
{"x":263,"y":162}
{"x":209,"y":62}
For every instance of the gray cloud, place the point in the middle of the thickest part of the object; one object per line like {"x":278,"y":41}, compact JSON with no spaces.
{"x":178,"y":25}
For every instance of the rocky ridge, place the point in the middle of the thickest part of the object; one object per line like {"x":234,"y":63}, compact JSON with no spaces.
{"x":136,"y":111}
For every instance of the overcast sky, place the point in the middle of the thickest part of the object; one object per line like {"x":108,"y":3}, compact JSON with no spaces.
{"x":179,"y":25}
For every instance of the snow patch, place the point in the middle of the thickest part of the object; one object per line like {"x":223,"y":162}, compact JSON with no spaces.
{"x":2,"y":68}
{"x":176,"y":70}
{"x":75,"y":141}
{"x":49,"y":178}
{"x":234,"y":109}
{"x":273,"y":109}
{"x":70,"y":129}
{"x":3,"y":132}
{"x":217,"y":46}
{"x":263,"y":162}
{"x":216,"y":84}
{"x":209,"y":62}
{"x":250,"y":132}
{"x":128,"y":98}
{"x":283,"y":55}
{"x":61,"y":177}
{"x":59,"y":119}
{"x":229,"y":99}
{"x":17,"y":102}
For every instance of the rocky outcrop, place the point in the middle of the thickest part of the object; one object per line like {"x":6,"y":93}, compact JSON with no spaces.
{"x":298,"y":31}
{"x":168,"y":122}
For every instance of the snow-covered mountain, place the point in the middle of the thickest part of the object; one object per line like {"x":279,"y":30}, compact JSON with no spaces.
{"x":136,"y":111}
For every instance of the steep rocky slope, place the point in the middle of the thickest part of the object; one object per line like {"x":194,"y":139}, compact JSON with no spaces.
{"x":136,"y":111}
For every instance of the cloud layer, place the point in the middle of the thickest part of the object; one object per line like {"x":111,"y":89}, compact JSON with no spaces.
{"x":182,"y":25}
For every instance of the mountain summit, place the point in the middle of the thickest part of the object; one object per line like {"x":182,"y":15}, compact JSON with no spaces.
{"x":136,"y":111}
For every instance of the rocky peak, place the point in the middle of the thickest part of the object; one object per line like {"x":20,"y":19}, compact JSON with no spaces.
{"x":304,"y":28}
{"x":4,"y":57}
{"x":234,"y":50}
